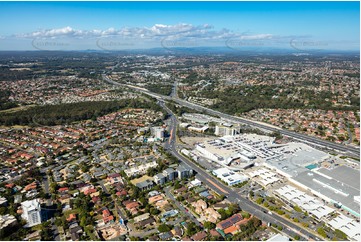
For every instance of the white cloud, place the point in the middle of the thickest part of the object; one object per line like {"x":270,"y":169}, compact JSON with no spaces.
{"x":155,"y":32}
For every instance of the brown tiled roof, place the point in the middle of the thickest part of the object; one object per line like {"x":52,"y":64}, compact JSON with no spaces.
{"x":214,"y":233}
{"x":199,"y":236}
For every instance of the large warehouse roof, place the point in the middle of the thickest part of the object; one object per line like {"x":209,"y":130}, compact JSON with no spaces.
{"x":331,"y":188}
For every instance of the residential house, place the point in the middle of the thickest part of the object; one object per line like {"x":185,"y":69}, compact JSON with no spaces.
{"x":177,"y":232}
{"x":141,"y":217}
{"x":131,"y":206}
{"x":199,"y":236}
{"x":160,"y":179}
{"x":184,"y":172}
{"x":114,"y":178}
{"x":107,"y":217}
{"x":165,"y":236}
{"x":211,"y":215}
{"x":199,"y":206}
{"x":229,"y":221}
{"x":147,"y":222}
{"x":145,"y":185}
{"x":170,"y":173}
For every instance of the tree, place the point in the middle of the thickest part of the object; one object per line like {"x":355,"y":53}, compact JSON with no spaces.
{"x":340,"y":234}
{"x":321,"y":232}
{"x":191,"y":229}
{"x":259,"y":200}
{"x":297,"y":209}
{"x":54,"y":186}
{"x":256,"y":222}
{"x":209,"y":225}
{"x":162,"y":228}
{"x":177,"y":185}
{"x":245,"y":215}
{"x":154,"y":211}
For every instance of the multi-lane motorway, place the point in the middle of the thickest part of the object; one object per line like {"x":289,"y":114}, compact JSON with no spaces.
{"x":233,"y":195}
{"x":349,"y":150}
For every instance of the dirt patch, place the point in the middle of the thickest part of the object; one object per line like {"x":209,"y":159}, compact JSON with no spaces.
{"x":192,"y":140}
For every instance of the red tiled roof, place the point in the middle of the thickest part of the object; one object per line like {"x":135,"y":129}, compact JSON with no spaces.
{"x":71,"y":217}
{"x":231,"y":230}
{"x":107,"y":219}
{"x":106,"y":212}
{"x":90,"y":191}
{"x":132,"y":205}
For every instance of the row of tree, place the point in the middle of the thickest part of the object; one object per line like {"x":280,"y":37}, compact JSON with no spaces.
{"x":70,"y":112}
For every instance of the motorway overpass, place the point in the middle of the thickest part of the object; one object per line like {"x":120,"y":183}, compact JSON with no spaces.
{"x":350,"y":150}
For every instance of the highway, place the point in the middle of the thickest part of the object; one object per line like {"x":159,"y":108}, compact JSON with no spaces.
{"x":290,"y":228}
{"x":350,"y":150}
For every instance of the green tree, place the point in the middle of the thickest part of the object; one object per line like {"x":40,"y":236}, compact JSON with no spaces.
{"x":321,"y":232}
{"x":259,"y":200}
{"x":245,"y":215}
{"x":162,"y":228}
{"x":340,"y":234}
{"x":191,"y":229}
{"x":209,"y":225}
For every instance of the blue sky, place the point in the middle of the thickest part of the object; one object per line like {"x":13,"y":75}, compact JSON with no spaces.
{"x":94,"y":25}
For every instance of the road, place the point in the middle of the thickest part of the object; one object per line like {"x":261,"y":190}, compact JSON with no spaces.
{"x":180,"y":206}
{"x":291,"y":229}
{"x":301,"y":137}
{"x":119,"y":211}
{"x":46,"y":189}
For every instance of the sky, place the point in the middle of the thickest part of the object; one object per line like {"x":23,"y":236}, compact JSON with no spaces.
{"x":138,"y":25}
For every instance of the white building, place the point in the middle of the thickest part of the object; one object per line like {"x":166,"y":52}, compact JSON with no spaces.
{"x":228,"y":151}
{"x":158,"y":133}
{"x":226,"y":129}
{"x":198,"y":129}
{"x":195,"y":183}
{"x":313,"y":206}
{"x":229,"y":177}
{"x":31,"y":212}
{"x":141,"y":169}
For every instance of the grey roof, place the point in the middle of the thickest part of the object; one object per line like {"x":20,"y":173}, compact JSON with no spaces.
{"x":165,"y":236}
{"x":329,"y":187}
{"x":99,"y":173}
{"x":144,"y":184}
{"x":160,"y":176}
{"x":344,"y":174}
{"x":169,"y":170}
{"x":182,"y":169}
